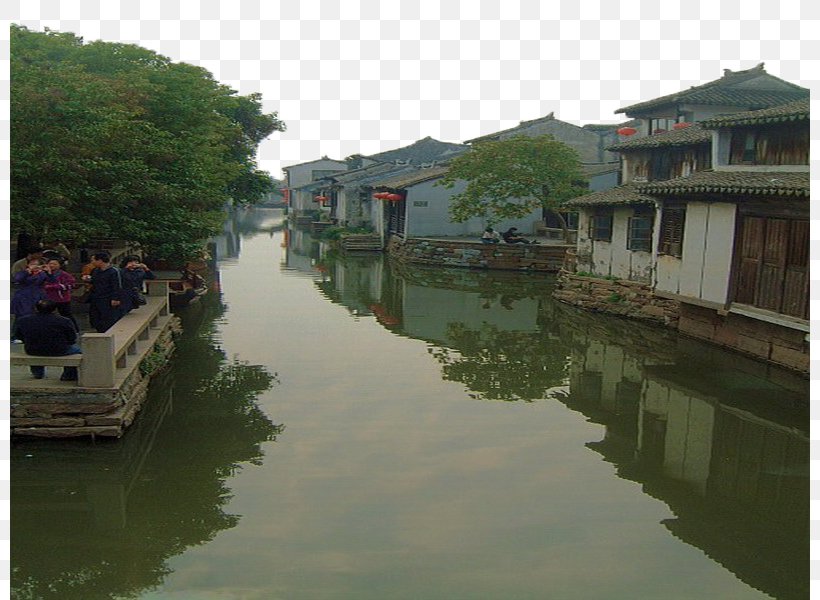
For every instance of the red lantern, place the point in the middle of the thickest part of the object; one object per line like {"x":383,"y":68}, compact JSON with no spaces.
{"x":627,"y":131}
{"x":394,"y":197}
{"x":682,"y":125}
{"x":380,"y":195}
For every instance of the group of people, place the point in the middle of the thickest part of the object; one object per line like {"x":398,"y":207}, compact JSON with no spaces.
{"x":41,"y":304}
{"x":491,"y":236}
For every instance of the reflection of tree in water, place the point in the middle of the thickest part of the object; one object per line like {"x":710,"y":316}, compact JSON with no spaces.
{"x":91,"y":517}
{"x":496,"y":364}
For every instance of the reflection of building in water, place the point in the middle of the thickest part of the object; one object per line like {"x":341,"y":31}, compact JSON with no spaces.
{"x":356,"y":282}
{"x":301,"y":251}
{"x":728,"y":451}
{"x":109,"y":517}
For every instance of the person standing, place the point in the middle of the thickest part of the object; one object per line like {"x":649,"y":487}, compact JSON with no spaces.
{"x":33,"y":253}
{"x":105,"y":303}
{"x":134,"y":272}
{"x":29,"y":283}
{"x":45,"y":333}
{"x":58,"y":286}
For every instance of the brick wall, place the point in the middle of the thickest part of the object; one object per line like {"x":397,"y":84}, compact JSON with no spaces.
{"x":768,"y":341}
{"x":470,"y":254}
{"x":616,"y":296}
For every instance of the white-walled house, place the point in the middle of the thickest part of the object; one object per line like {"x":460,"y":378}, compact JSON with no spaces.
{"x":729,"y":243}
{"x":299,"y":178}
{"x":424,"y":210}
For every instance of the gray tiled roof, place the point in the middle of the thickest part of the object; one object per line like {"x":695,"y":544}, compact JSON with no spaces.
{"x":426,"y":150}
{"x":623,"y":194}
{"x":407,"y":179}
{"x":770,"y":183}
{"x":731,"y":89}
{"x":791,"y":111}
{"x":521,"y":125}
{"x":689,"y":136}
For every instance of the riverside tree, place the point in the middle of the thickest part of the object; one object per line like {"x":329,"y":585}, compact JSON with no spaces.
{"x":510,"y":178}
{"x":115,"y":140}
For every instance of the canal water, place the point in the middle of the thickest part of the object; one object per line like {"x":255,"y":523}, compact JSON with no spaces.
{"x":342,"y":428}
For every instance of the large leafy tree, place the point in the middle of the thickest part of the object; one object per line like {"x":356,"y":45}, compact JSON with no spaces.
{"x":114,"y":140}
{"x":510,"y":178}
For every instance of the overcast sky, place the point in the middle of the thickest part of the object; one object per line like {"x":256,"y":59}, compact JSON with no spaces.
{"x":364,"y":76}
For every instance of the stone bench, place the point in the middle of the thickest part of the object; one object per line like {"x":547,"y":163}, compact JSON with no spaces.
{"x":119,"y":348}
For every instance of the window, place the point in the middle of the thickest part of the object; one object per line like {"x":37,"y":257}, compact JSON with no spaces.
{"x":600,"y":225}
{"x":743,"y":148}
{"x":671,"y":235}
{"x":661,"y":125}
{"x":640,"y":231}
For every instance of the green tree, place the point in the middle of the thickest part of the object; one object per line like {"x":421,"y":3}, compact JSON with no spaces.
{"x":114,"y":140}
{"x":510,"y":178}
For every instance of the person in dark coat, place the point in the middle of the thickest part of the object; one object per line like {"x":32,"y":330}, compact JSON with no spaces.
{"x":511,"y":237}
{"x":46,"y":333}
{"x":108,"y":294}
{"x":134,"y":272}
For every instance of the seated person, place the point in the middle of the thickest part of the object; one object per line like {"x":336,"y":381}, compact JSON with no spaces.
{"x":45,"y":333}
{"x":511,"y":237}
{"x":490,"y":236}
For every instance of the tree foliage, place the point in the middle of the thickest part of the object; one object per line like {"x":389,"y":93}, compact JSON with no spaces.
{"x":510,"y":178}
{"x":114,"y":140}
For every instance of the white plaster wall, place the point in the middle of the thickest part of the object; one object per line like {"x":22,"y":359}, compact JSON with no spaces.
{"x":667,"y":274}
{"x":694,"y":246}
{"x":302,"y":174}
{"x":434,"y":219}
{"x":717,"y":261}
{"x":708,"y":240}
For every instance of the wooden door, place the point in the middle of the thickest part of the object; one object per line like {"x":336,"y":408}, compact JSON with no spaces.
{"x":773,"y":264}
{"x":751,"y":254}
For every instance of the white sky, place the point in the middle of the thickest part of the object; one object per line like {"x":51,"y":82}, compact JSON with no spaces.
{"x":374,"y":76}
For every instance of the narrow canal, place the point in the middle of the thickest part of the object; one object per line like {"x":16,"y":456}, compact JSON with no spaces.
{"x":334,"y":427}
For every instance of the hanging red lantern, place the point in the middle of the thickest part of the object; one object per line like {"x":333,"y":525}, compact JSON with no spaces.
{"x":627,"y":131}
{"x":682,"y":125}
{"x":380,"y":195}
{"x":394,"y":197}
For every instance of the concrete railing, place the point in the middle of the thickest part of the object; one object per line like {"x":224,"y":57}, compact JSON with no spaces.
{"x":111,"y":356}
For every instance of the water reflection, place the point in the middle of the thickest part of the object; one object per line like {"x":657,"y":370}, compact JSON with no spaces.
{"x":721,"y":439}
{"x":101,"y":520}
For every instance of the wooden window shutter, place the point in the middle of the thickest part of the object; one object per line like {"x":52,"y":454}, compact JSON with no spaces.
{"x":671,"y":234}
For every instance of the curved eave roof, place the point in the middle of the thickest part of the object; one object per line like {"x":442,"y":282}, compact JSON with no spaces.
{"x":762,"y":183}
{"x":791,"y":111}
{"x":622,"y":195}
{"x":689,"y":136}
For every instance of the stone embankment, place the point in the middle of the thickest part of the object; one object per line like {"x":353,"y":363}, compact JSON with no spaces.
{"x":77,"y":411}
{"x":546,"y":258}
{"x":616,"y":296}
